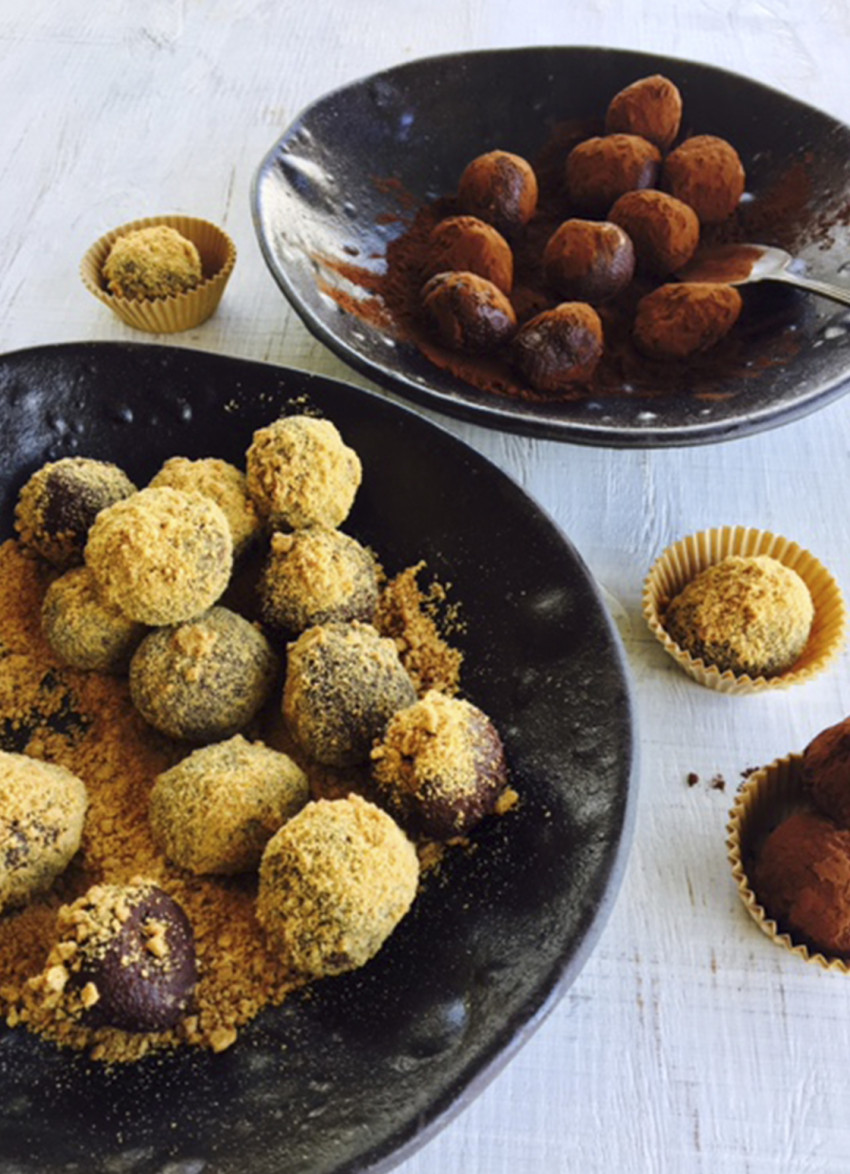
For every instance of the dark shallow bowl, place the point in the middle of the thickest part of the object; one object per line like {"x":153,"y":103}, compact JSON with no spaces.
{"x":343,"y":180}
{"x":369,"y":1066}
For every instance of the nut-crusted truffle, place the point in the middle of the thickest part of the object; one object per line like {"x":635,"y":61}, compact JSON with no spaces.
{"x":678,"y":320}
{"x":600,"y":169}
{"x":650,"y":106}
{"x":663,"y":230}
{"x":706,"y":172}
{"x":588,"y":260}
{"x":83,"y":630}
{"x":466,"y":312}
{"x":153,"y":262}
{"x":559,"y":347}
{"x":472,"y":245}
{"x":501,"y":188}
{"x":225,"y":484}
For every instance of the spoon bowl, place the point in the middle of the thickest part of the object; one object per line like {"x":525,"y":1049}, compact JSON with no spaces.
{"x":742,"y":264}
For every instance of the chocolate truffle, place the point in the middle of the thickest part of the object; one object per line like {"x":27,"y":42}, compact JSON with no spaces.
{"x":124,"y":958}
{"x":160,"y":556}
{"x":83,"y":630}
{"x":315,"y":576}
{"x":215,"y":811}
{"x":42,"y":807}
{"x":334,"y":883}
{"x":826,"y":771}
{"x":440,"y":766}
{"x":343,"y":684}
{"x":588,"y":260}
{"x":663,"y":230}
{"x":651,"y":107}
{"x":204,"y":679}
{"x":153,"y":262}
{"x":301,"y":473}
{"x":225,"y":484}
{"x":706,"y":173}
{"x":472,"y":245}
{"x":802,"y":878}
{"x":466,"y":312}
{"x":601,"y":169}
{"x":499,"y":187}
{"x":60,"y":502}
{"x":559,"y":347}
{"x":747,"y":614}
{"x":678,"y":320}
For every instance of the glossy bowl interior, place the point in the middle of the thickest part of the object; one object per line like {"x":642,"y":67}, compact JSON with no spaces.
{"x":345,"y":178}
{"x":367,"y":1066}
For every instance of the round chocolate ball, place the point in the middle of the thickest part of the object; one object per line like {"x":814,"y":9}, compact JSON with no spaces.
{"x":469,"y":244}
{"x":225,"y":484}
{"x":83,"y":630}
{"x":559,"y":347}
{"x":826,"y":771}
{"x":706,"y":172}
{"x":588,"y":260}
{"x":663,"y":230}
{"x":650,"y":107}
{"x":600,"y":169}
{"x":686,"y":318}
{"x":501,"y":188}
{"x":466,"y":312}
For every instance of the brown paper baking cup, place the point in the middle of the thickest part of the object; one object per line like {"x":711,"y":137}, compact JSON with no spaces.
{"x":178,"y":311}
{"x":769,"y":795}
{"x":687,"y":558}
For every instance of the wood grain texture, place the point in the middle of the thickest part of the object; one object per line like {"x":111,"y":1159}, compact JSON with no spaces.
{"x":689,"y":1043}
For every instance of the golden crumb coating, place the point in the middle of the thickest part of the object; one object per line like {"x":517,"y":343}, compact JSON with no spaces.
{"x":154,"y":262}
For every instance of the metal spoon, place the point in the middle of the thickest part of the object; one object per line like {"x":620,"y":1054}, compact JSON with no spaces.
{"x":741,"y":264}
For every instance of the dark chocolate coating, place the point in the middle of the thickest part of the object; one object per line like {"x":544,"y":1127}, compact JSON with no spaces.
{"x":466,"y":312}
{"x":588,"y":260}
{"x":558,"y":347}
{"x":499,"y":187}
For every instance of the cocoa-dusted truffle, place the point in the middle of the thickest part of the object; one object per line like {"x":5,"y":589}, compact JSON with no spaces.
{"x":466,"y":312}
{"x":678,"y":320}
{"x":42,"y":807}
{"x":343,"y":684}
{"x":60,"y":502}
{"x":826,"y":771}
{"x":124,"y":957}
{"x":83,"y":630}
{"x":315,"y":576}
{"x":600,"y":169}
{"x":663,"y":230}
{"x":440,"y":766}
{"x":225,"y":484}
{"x":706,"y":172}
{"x":588,"y":260}
{"x":559,"y":347}
{"x":204,"y":679}
{"x":499,"y":187}
{"x":215,"y":811}
{"x":747,"y":614}
{"x":650,"y":106}
{"x":334,"y":883}
{"x":153,"y":262}
{"x":161,"y":556}
{"x":802,"y":878}
{"x":472,"y":245}
{"x":301,"y":473}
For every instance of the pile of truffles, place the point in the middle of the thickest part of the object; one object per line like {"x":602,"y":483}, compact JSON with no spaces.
{"x":634,"y":205}
{"x":145,"y":584}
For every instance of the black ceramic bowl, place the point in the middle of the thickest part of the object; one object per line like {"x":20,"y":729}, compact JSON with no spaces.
{"x":337,"y":188}
{"x":368,"y":1066}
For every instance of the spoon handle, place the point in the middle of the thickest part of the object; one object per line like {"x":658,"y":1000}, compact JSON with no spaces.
{"x":836,"y":292}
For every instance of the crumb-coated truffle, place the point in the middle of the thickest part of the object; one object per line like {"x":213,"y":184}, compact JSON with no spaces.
{"x":204,"y":679}
{"x":301,"y":473}
{"x":600,"y":169}
{"x":334,"y":883}
{"x":83,"y":630}
{"x":215,"y":811}
{"x":161,"y":556}
{"x":588,"y":260}
{"x":650,"y":106}
{"x":225,"y":484}
{"x":748,"y":614}
{"x":499,"y":187}
{"x":663,"y":230}
{"x":466,"y":312}
{"x":315,"y":576}
{"x":706,"y":172}
{"x":153,"y":262}
{"x":42,"y":807}
{"x":558,"y":347}
{"x":58,"y":505}
{"x":802,"y":878}
{"x":124,"y":957}
{"x":678,"y":320}
{"x":343,"y":684}
{"x":440,"y":766}
{"x":825,"y":771}
{"x":472,"y":245}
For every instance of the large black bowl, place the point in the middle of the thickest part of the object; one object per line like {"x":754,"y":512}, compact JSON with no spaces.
{"x":370,"y":1064}
{"x":322,"y":192}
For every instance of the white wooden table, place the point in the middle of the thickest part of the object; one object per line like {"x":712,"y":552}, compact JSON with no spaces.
{"x":688,"y":1043}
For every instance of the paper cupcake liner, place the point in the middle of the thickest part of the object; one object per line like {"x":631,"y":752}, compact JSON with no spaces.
{"x":769,"y":796}
{"x":687,"y":558}
{"x":178,"y":311}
